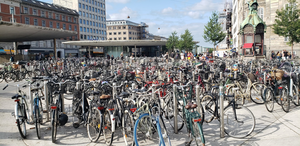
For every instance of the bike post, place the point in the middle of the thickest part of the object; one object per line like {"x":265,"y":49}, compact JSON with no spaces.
{"x":175,"y":110}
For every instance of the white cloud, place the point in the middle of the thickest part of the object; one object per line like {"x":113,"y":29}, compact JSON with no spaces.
{"x":194,"y":14}
{"x":207,"y":5}
{"x":109,"y":7}
{"x":123,"y":14}
{"x":118,"y":1}
{"x":167,"y":10}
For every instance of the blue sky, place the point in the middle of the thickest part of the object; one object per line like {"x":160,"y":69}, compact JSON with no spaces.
{"x":167,"y":15}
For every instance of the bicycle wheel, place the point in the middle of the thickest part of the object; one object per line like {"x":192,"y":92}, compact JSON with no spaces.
{"x":285,"y":100}
{"x":269,"y":99}
{"x":198,"y":133}
{"x":94,"y":124}
{"x":240,"y":125}
{"x":296,"y":95}
{"x":21,"y":122}
{"x":256,"y":93}
{"x":127,"y":125}
{"x":144,"y":129}
{"x":108,"y":127}
{"x":1,"y":77}
{"x":162,"y":132}
{"x":209,"y":105}
{"x":54,"y":125}
{"x":169,"y":114}
{"x":37,"y":122}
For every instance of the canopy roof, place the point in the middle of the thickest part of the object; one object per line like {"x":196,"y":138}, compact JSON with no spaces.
{"x":16,"y":32}
{"x":103,"y":43}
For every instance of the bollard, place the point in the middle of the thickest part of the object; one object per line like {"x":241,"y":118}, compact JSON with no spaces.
{"x":31,"y":104}
{"x":221,"y":75}
{"x":175,"y":110}
{"x":114,"y":90}
{"x":78,"y":85}
{"x":111,"y":70}
{"x":291,"y":85}
{"x":145,"y":73}
{"x":235,"y":75}
{"x":198,"y":98}
{"x":62,"y":100}
{"x":81,"y":74}
{"x":180,"y":77}
{"x":265,"y":78}
{"x":221,"y":112}
{"x":47,"y":99}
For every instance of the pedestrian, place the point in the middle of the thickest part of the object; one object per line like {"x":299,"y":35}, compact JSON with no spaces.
{"x":278,"y":55}
{"x":185,"y":55}
{"x":166,"y":56}
{"x":122,"y":56}
{"x":112,"y":57}
{"x":273,"y":55}
{"x":107,"y":56}
{"x":12,"y":59}
{"x":182,"y":55}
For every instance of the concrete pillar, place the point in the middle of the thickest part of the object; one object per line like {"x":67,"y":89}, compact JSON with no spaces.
{"x":55,"y":54}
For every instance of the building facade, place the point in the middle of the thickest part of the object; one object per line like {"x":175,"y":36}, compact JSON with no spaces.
{"x":126,"y":30}
{"x":92,"y":17}
{"x":267,"y":12}
{"x":222,"y":21}
{"x":37,"y":13}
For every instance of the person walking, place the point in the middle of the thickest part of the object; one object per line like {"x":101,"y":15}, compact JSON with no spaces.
{"x":12,"y":59}
{"x":122,"y":56}
{"x":166,"y":56}
{"x":273,"y":55}
{"x":182,"y":55}
{"x":278,"y":55}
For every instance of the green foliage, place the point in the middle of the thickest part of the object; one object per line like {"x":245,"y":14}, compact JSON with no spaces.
{"x":186,"y":41}
{"x":287,"y":23}
{"x":210,"y":50}
{"x":213,"y":31}
{"x":172,"y":41}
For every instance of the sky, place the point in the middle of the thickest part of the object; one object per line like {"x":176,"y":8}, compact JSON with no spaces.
{"x":166,"y":16}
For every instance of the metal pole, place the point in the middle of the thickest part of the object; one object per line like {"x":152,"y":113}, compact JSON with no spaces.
{"x":221,"y":75}
{"x":55,"y":54}
{"x":62,"y":100}
{"x":264,"y":77}
{"x":175,"y":110}
{"x":198,"y":98}
{"x":114,"y":90}
{"x":145,"y":75}
{"x":47,"y":99}
{"x":221,"y":112}
{"x":31,"y":103}
{"x":291,"y":84}
{"x":78,"y":85}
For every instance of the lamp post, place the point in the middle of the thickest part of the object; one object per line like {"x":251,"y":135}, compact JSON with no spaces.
{"x":12,"y":9}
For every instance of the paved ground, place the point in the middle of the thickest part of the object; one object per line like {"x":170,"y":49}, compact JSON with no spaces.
{"x":276,"y":129}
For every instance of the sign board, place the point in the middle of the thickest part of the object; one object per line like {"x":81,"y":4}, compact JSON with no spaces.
{"x":99,"y":50}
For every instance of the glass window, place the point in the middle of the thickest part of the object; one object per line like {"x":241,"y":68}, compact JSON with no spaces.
{"x":124,"y":38}
{"x":81,"y":29}
{"x":43,"y":14}
{"x":249,"y":39}
{"x":91,"y":30}
{"x":101,"y":12}
{"x":64,"y":26}
{"x":35,"y":21}
{"x":80,"y":13}
{"x":96,"y":24}
{"x":90,"y":8}
{"x":129,"y":32}
{"x":75,"y":20}
{"x":83,"y":14}
{"x":57,"y":25}
{"x":57,"y":16}
{"x":43,"y":23}
{"x":119,"y":33}
{"x":63,"y":18}
{"x":87,"y":22}
{"x":83,"y":5}
{"x":88,"y":30}
{"x":25,"y":10}
{"x":84,"y":29}
{"x":93,"y":23}
{"x":124,"y":32}
{"x":96,"y":3}
{"x":103,"y":5}
{"x":260,"y":13}
{"x":96,"y":17}
{"x":88,"y":37}
{"x":51,"y":24}
{"x":129,"y":38}
{"x":70,"y":27}
{"x":94,"y":30}
{"x":90,"y":15}
{"x":26,"y":20}
{"x":93,"y":9}
{"x":87,"y":7}
{"x":69,"y":18}
{"x":50,"y":15}
{"x":110,"y":33}
{"x":120,"y":38}
{"x":89,"y":1}
{"x":83,"y":21}
{"x":93,"y":16}
{"x":98,"y":10}
{"x":75,"y":28}
{"x":34,"y":12}
{"x":92,"y":1}
{"x":79,"y":5}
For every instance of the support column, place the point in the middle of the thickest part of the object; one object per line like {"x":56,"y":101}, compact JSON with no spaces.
{"x":135,"y":50}
{"x":89,"y":51}
{"x":15,"y":47}
{"x":55,"y":54}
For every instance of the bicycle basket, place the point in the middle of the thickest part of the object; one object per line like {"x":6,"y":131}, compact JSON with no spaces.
{"x":279,"y":74}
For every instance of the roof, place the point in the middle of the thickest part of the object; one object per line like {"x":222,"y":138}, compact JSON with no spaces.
{"x":103,"y":43}
{"x":16,"y":32}
{"x":50,"y":7}
{"x":127,"y":23}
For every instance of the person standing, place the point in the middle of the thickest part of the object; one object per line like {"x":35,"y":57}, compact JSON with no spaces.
{"x":12,"y":59}
{"x":182,"y":55}
{"x":166,"y":56}
{"x":273,"y":55}
{"x":122,"y":56}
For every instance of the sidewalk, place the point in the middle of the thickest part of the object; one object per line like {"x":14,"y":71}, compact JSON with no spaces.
{"x":273,"y":129}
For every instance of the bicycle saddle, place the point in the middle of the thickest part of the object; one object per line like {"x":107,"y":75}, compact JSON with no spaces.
{"x":105,"y":96}
{"x":16,"y":96}
{"x":190,"y":106}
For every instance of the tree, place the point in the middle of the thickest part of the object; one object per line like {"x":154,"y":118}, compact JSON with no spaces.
{"x":186,"y":41}
{"x":213,"y":31}
{"x":172,"y":41}
{"x":287,"y":23}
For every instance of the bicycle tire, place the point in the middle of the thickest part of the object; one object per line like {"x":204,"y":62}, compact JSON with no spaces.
{"x":107,"y":128}
{"x":208,"y":105}
{"x":127,"y":125}
{"x":143,"y":124}
{"x":54,"y":124}
{"x":231,"y":126}
{"x":296,"y":95}
{"x":1,"y":77}
{"x":37,"y":122}
{"x":160,"y":134}
{"x":285,"y":100}
{"x":94,"y":124}
{"x":21,"y":124}
{"x":198,"y":133}
{"x":269,"y":99}
{"x":256,"y":93}
{"x":169,"y":114}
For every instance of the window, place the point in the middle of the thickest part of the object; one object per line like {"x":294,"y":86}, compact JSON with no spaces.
{"x":96,"y":17}
{"x":99,"y":11}
{"x":97,"y":31}
{"x":57,"y":25}
{"x":103,"y":12}
{"x":80,"y":21}
{"x":34,"y":12}
{"x":91,"y":30}
{"x":124,"y":27}
{"x":89,"y":1}
{"x":124,"y":32}
{"x":50,"y":15}
{"x":83,"y":21}
{"x":90,"y":8}
{"x":110,"y":33}
{"x":109,"y":39}
{"x":83,"y":14}
{"x":103,"y":5}
{"x":115,"y":38}
{"x":286,"y":39}
{"x":51,"y":24}
{"x":93,"y":16}
{"x":114,"y":27}
{"x":80,"y":29}
{"x":96,"y":3}
{"x":43,"y":23}
{"x":90,"y":15}
{"x":93,"y":9}
{"x":92,"y":1}
{"x":87,"y":7}
{"x":88,"y":30}
{"x":96,"y":24}
{"x":84,"y":29}
{"x":129,"y":27}
{"x":80,"y":13}
{"x":83,"y":5}
{"x":119,"y":33}
{"x":57,"y":16}
{"x":96,"y":10}
{"x":26,"y":20}
{"x":87,"y":22}
{"x":70,"y":27}
{"x":63,"y":18}
{"x":129,"y":32}
{"x":129,"y":38}
{"x":75,"y":20}
{"x":43,"y":14}
{"x":69,"y":18}
{"x":93,"y":23}
{"x":94,"y":30}
{"x":35,"y":22}
{"x":88,"y":37}
{"x":115,"y":33}
{"x":75,"y":28}
{"x":79,"y":5}
{"x":25,"y":10}
{"x":120,"y":27}
{"x":124,"y":38}
{"x":260,"y":13}
{"x":120,"y":38}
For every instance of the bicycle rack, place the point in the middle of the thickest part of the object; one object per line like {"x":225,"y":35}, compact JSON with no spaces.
{"x":47,"y":99}
{"x":175,"y":110}
{"x":221,"y":112}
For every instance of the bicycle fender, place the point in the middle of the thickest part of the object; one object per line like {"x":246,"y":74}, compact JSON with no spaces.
{"x":112,"y":118}
{"x":16,"y":111}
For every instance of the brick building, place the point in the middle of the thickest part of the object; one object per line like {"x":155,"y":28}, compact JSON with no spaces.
{"x":9,"y":9}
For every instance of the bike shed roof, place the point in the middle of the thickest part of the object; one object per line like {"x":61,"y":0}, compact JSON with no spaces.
{"x":16,"y":32}
{"x":104,"y":43}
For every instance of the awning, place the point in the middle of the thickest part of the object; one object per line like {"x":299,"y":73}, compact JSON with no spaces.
{"x":248,"y":45}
